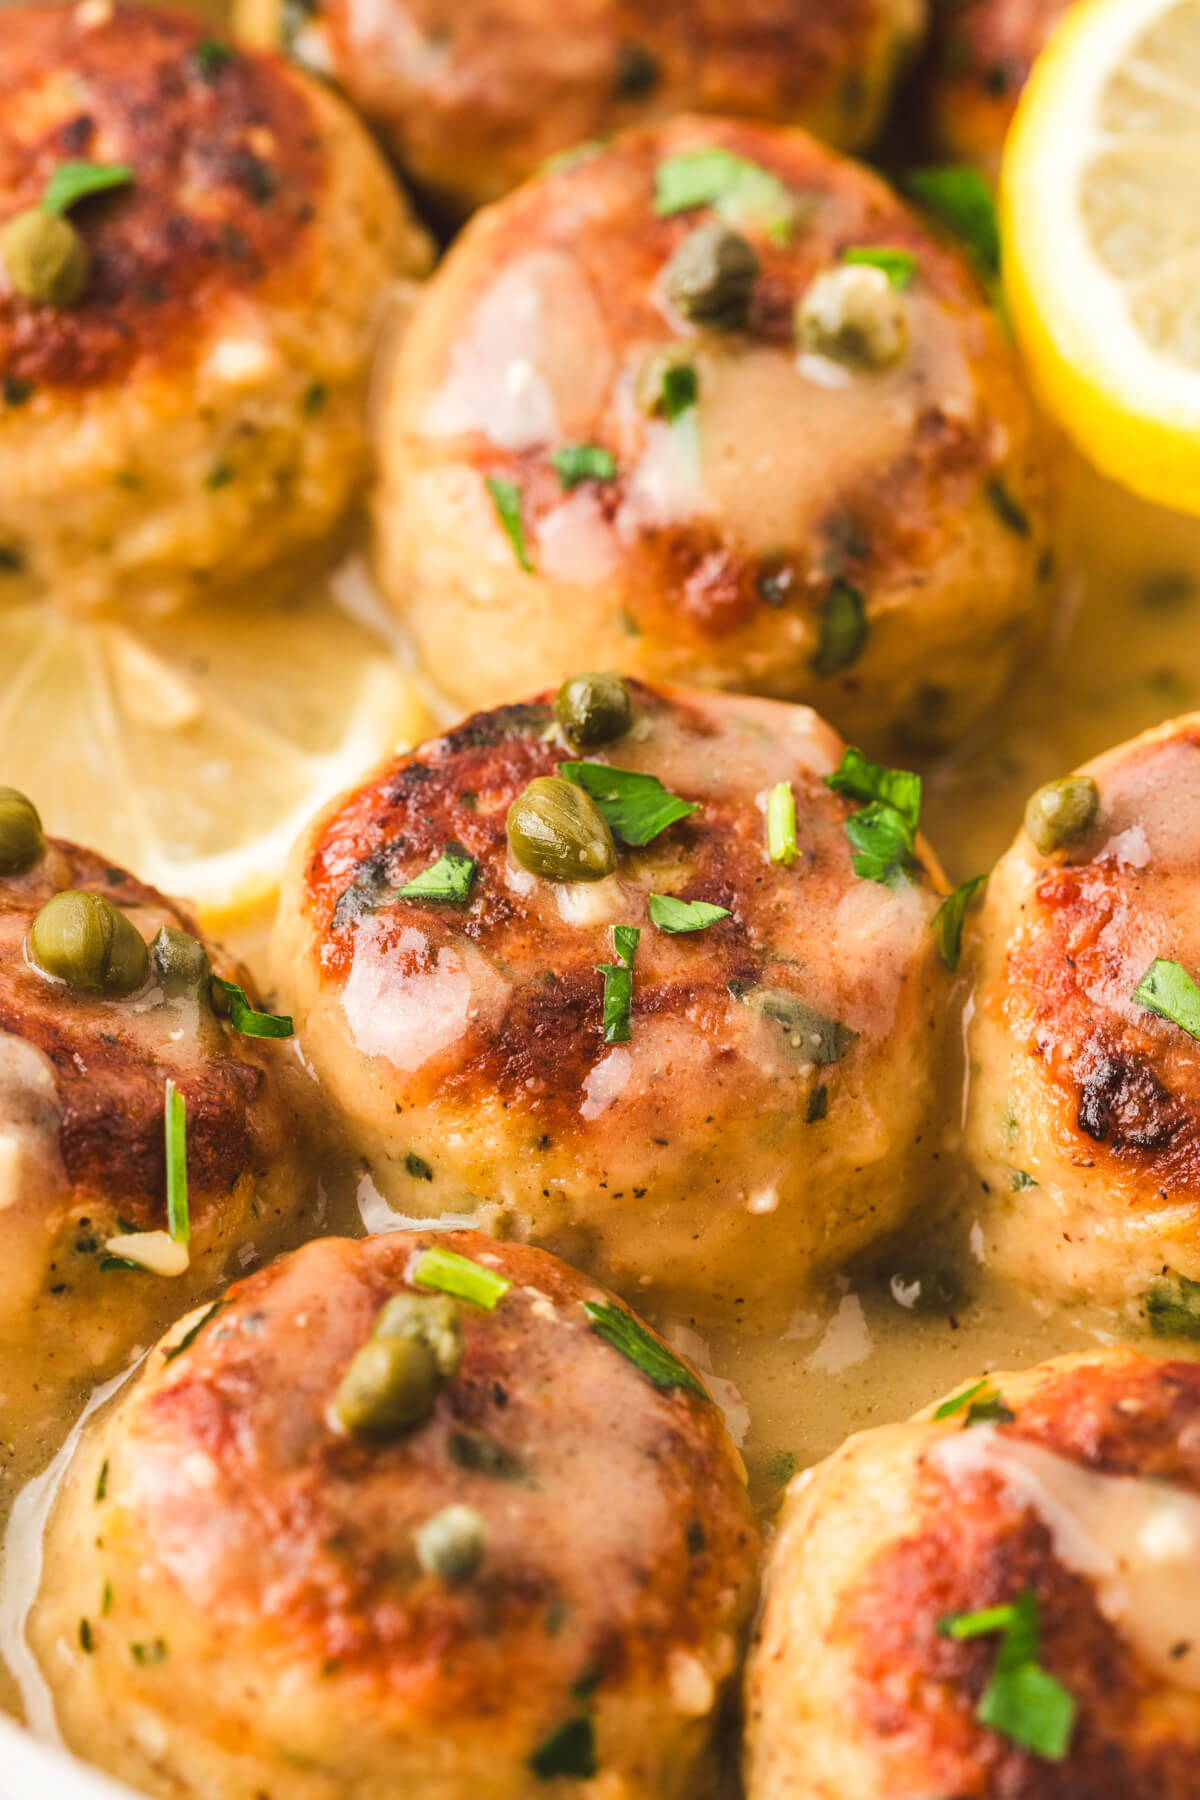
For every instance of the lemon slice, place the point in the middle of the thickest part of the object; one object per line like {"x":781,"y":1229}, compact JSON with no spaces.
{"x":1100,"y":211}
{"x":193,"y":749}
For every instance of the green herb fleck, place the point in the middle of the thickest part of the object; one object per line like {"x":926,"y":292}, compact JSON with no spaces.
{"x":148,"y":1655}
{"x":219,"y":476}
{"x":87,"y":1642}
{"x":618,"y":985}
{"x":782,"y":1467}
{"x":781,"y":825}
{"x":881,"y":844}
{"x":315,"y":396}
{"x":947,"y":921}
{"x":818,"y":1105}
{"x":1008,"y":510}
{"x":192,"y":1333}
{"x":74,"y":181}
{"x":106,"y":1600}
{"x":506,"y":498}
{"x":637,"y":807}
{"x":628,"y":1335}
{"x":570,"y":1749}
{"x":417,"y":1167}
{"x":449,"y":1273}
{"x":739,"y":191}
{"x":862,"y":779}
{"x":1022,"y":1701}
{"x":900,"y":266}
{"x":1168,"y":990}
{"x":175,"y":1132}
{"x":102,"y":1482}
{"x":962,"y":199}
{"x":480,"y":1455}
{"x":1173,"y":1307}
{"x":842,"y":623}
{"x":1021,"y":1181}
{"x":813,"y":1035}
{"x":583,"y":462}
{"x":15,"y":391}
{"x":211,"y":56}
{"x":246,"y":1018}
{"x":675,"y":916}
{"x":449,"y":878}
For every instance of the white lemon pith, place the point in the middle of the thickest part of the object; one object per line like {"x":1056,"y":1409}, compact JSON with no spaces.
{"x":1100,"y":208}
{"x":194,"y":749}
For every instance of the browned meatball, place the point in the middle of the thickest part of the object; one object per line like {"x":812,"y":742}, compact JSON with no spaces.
{"x":88,"y":1271}
{"x":800,"y":476}
{"x":198,"y":411}
{"x":980,"y":57}
{"x":764,"y":1108}
{"x":473,"y":96}
{"x":1066,"y":1498}
{"x":245,"y":1595}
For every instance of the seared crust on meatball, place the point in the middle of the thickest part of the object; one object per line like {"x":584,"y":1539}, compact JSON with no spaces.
{"x":769,"y":1112}
{"x":980,"y":56}
{"x":82,"y":1141}
{"x":873,"y":540}
{"x":473,"y":99}
{"x":199,"y":410}
{"x":1084,"y":1108}
{"x":267,"y":1625}
{"x":856,"y":1692}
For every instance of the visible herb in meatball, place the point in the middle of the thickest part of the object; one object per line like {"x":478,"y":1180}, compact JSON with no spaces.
{"x":813,"y":1035}
{"x":1173,"y":1307}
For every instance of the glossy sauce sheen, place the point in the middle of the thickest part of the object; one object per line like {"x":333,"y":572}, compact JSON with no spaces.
{"x":1127,"y":657}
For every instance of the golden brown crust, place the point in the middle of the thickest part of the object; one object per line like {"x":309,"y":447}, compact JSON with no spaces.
{"x":229,"y":167}
{"x":972,"y":1546}
{"x":111,"y":1062}
{"x":308,"y":1534}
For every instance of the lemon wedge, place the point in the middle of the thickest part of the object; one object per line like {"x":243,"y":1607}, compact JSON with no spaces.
{"x":1100,"y":217}
{"x":193,"y":749}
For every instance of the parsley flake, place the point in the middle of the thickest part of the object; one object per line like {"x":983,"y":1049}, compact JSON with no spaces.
{"x":175,"y":1134}
{"x":636,"y":807}
{"x":448,"y":879}
{"x":900,"y":266}
{"x":570,"y":1749}
{"x":947,"y":922}
{"x":1022,"y":1701}
{"x":246,"y":1018}
{"x":960,"y":197}
{"x":211,"y":56}
{"x":75,"y":181}
{"x":1173,"y":1307}
{"x":506,"y":498}
{"x":583,"y":462}
{"x":446,"y":1272}
{"x":618,"y":985}
{"x":1168,"y":990}
{"x":862,"y":779}
{"x":675,"y":916}
{"x":739,"y":191}
{"x":627,"y":1334}
{"x":781,"y":825}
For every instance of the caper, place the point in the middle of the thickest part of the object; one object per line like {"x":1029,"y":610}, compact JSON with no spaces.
{"x":450,"y":1545}
{"x":390,"y":1386}
{"x":45,"y":256}
{"x":431,"y":1318}
{"x":710,"y":279}
{"x":593,"y":709}
{"x":84,"y":940}
{"x":557,"y":830}
{"x":180,"y":960}
{"x":852,"y":314}
{"x":1062,"y":812}
{"x":22,"y":839}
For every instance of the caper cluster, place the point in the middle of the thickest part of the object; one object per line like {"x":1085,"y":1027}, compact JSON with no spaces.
{"x":393,"y":1381}
{"x":555,"y":829}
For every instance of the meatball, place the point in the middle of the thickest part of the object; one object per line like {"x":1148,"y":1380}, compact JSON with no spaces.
{"x":197,"y":410}
{"x":89,"y":1271}
{"x":538,"y":1575}
{"x":601,"y":440}
{"x":1083,"y":1115}
{"x":473,"y":98}
{"x":995,"y":1601}
{"x":716,"y":1111}
{"x":980,"y":58}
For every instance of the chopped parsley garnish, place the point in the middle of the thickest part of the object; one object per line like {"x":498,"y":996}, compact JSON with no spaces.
{"x":900,"y":266}
{"x":959,"y":1402}
{"x":947,"y":921}
{"x":211,"y":56}
{"x":149,"y":1654}
{"x":417,"y":1167}
{"x":628,"y":1335}
{"x":813,"y":1035}
{"x":618,"y":985}
{"x":962,"y":199}
{"x":1173,"y":1307}
{"x":882,"y":837}
{"x":981,"y":1403}
{"x":506,"y":498}
{"x":192,"y":1333}
{"x":483,"y":1455}
{"x":449,"y":1273}
{"x":570,"y":1749}
{"x":1168,"y":990}
{"x":219,"y":476}
{"x":87,"y":1642}
{"x":781,"y":825}
{"x":583,"y":462}
{"x":862,"y":779}
{"x":679,"y":392}
{"x":102,"y":1481}
{"x":246,"y":1018}
{"x":175,"y":1131}
{"x":637,"y":807}
{"x":1022,"y":1701}
{"x":1022,"y":1180}
{"x":449,"y":878}
{"x":739,"y":191}
{"x":842,"y":621}
{"x":676,"y":916}
{"x":74,"y":181}
{"x":1009,"y":511}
